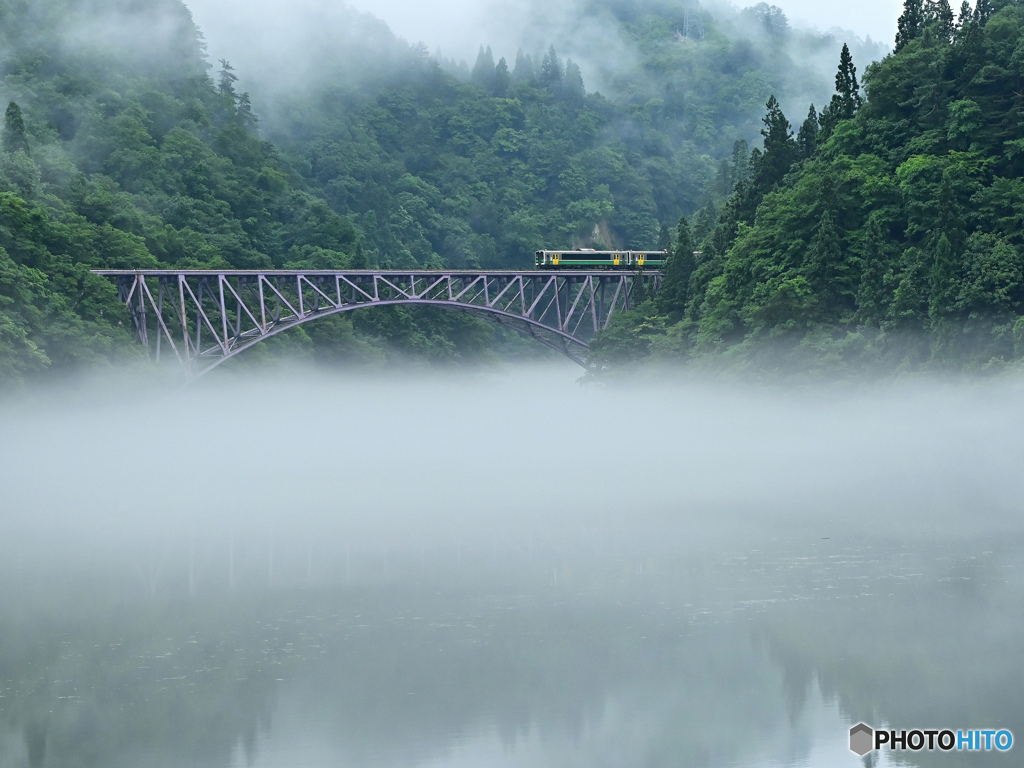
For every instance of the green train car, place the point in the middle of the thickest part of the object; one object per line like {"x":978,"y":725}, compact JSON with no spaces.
{"x":587,"y":259}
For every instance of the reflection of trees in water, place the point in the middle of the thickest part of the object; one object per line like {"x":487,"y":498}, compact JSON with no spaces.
{"x":183,"y":683}
{"x":937,"y":644}
{"x":385,"y":673}
{"x":418,"y":679}
{"x":186,"y":683}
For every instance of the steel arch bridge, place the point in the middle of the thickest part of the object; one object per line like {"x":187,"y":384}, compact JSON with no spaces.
{"x":205,"y":317}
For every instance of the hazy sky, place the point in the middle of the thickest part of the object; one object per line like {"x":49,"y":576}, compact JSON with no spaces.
{"x":458,"y":27}
{"x":454,"y":24}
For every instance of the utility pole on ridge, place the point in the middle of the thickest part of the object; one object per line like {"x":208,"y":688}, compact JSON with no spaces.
{"x":693,"y":25}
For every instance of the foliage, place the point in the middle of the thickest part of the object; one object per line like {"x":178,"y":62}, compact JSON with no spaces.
{"x":896,"y":240}
{"x":123,"y":147}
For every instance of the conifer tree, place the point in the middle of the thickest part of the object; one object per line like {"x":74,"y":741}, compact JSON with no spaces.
{"x":551,"y":72}
{"x":951,"y":217}
{"x":703,"y":223}
{"x":572,"y":85}
{"x":523,"y":71}
{"x":483,"y":70}
{"x":846,"y":100}
{"x":943,"y":284}
{"x":740,"y":161}
{"x":15,"y":139}
{"x":911,"y":22}
{"x":871,"y":294}
{"x":966,"y":14}
{"x":940,"y":12}
{"x":824,"y":258}
{"x":847,"y":87}
{"x":807,"y":138}
{"x":227,"y":80}
{"x":502,"y":79}
{"x":780,"y":150}
{"x":723,"y":180}
{"x":679,"y":268}
{"x":249,"y":120}
{"x":983,"y":11}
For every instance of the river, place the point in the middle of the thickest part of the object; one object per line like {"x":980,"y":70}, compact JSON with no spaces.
{"x":508,"y":570}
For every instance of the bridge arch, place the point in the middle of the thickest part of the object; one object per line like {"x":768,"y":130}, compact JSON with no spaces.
{"x":557,"y":340}
{"x":206,"y":317}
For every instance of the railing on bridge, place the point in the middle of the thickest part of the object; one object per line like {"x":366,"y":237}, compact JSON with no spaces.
{"x":206,"y":317}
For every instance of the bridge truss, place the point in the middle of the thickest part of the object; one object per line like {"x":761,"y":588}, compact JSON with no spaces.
{"x":203,"y":318}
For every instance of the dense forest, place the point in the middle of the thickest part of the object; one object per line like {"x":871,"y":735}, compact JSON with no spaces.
{"x":124,"y":145}
{"x":885,"y":232}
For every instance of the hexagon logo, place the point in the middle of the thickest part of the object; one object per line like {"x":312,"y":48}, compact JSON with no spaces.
{"x":862,"y":739}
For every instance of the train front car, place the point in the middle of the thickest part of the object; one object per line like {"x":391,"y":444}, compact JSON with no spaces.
{"x":584,"y":259}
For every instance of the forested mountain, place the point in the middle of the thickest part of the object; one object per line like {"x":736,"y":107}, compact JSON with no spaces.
{"x":119,"y":151}
{"x":887,"y":233}
{"x":441,"y":164}
{"x":124,"y":146}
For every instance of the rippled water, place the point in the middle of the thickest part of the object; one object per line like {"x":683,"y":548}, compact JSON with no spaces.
{"x":476,"y":573}
{"x":746,"y":659}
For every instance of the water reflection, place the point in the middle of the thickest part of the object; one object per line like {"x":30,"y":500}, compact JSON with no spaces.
{"x":439,"y":572}
{"x":748,"y":659}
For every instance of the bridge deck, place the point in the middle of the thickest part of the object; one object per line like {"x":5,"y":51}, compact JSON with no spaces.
{"x":206,"y":316}
{"x":370,"y":272}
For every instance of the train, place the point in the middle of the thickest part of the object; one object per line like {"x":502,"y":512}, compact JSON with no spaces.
{"x":590,"y":259}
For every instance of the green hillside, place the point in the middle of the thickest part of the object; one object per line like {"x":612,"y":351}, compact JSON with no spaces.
{"x":484,"y":165}
{"x":125,"y":146}
{"x":889,"y":235}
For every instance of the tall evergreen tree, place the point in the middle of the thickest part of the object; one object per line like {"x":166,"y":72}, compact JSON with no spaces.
{"x":483,"y":70}
{"x":983,"y":11}
{"x":846,"y":100}
{"x":941,"y":13}
{"x":572,"y":85}
{"x":942,"y":297}
{"x":551,"y":71}
{"x":723,"y":180}
{"x":826,"y":269}
{"x":807,"y":138}
{"x":523,"y":70}
{"x":227,"y":79}
{"x":871,"y":293}
{"x":249,"y":120}
{"x":847,"y":87}
{"x":675,"y":288}
{"x":911,"y":23}
{"x":780,"y":150}
{"x":966,"y":14}
{"x":740,"y":161}
{"x":502,"y":79}
{"x":15,"y":139}
{"x":951,"y":217}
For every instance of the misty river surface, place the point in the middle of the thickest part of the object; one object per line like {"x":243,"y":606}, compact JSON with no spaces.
{"x":507,"y":570}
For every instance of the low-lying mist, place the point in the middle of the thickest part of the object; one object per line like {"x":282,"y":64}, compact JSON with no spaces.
{"x":281,"y":49}
{"x":308,"y":476}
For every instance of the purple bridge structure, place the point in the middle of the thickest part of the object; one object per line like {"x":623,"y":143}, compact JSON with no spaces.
{"x":202,"y":318}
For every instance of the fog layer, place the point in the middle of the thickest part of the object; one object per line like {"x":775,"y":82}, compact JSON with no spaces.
{"x":458,"y":27}
{"x":501,"y":464}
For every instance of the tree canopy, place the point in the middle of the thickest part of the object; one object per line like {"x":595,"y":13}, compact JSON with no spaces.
{"x":894,"y":240}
